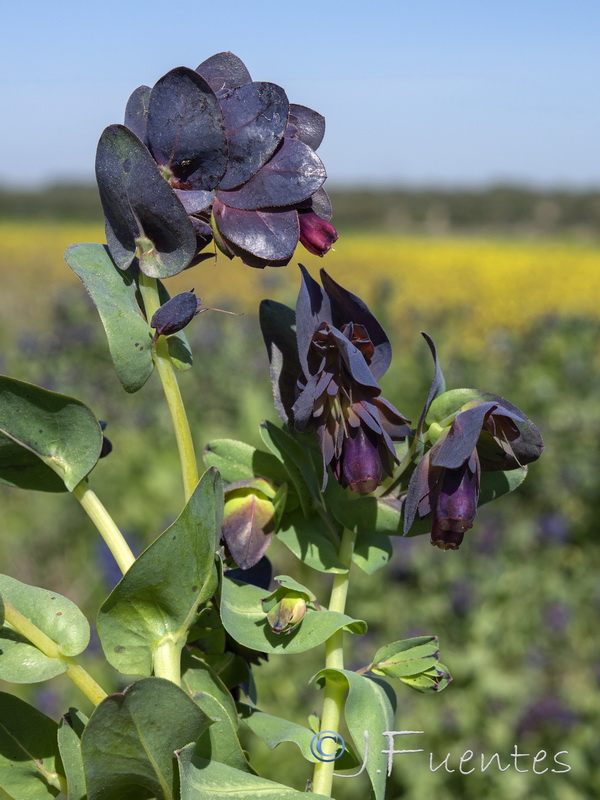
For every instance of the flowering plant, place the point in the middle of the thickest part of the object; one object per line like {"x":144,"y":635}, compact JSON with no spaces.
{"x":209,"y":155}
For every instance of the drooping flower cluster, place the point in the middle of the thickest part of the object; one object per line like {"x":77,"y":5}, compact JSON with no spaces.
{"x":487,"y":434}
{"x":325,"y":379}
{"x":209,"y":153}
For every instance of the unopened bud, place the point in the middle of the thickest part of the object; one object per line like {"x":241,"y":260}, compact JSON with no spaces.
{"x":287,"y":614}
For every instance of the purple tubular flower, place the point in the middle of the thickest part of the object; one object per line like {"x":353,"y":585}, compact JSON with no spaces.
{"x":239,"y":162}
{"x":456,"y":504}
{"x":339,"y":353}
{"x":487,"y":434}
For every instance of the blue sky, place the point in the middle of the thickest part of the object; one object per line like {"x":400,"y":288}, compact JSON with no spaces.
{"x":448,"y":92}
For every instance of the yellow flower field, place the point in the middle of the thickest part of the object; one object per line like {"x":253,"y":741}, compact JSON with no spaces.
{"x":479,"y":285}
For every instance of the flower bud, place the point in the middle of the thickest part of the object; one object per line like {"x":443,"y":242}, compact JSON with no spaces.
{"x":248,"y":520}
{"x":287,"y":614}
{"x":316,"y":234}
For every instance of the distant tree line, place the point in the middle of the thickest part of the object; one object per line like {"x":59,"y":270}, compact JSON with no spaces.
{"x":496,"y":209}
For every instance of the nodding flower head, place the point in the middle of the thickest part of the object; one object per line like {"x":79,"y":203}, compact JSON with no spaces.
{"x":486,"y":434}
{"x":326,"y":380}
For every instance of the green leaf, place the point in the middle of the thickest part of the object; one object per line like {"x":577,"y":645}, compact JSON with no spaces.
{"x":70,"y":730}
{"x":178,"y":346}
{"x":367,"y":515}
{"x":432,"y":680}
{"x":199,"y":676}
{"x":449,"y":403}
{"x":55,"y":615}
{"x":220,"y":742}
{"x":298,"y":463}
{"x":244,"y":618}
{"x":275,"y":730}
{"x":159,"y":596}
{"x":368,"y":709}
{"x":43,"y":433}
{"x":407,"y":656}
{"x":206,"y":780}
{"x":372,"y":552}
{"x":128,"y":744}
{"x":28,"y":750}
{"x":21,"y":662}
{"x":495,"y":484}
{"x":114,"y":295}
{"x":238,"y":461}
{"x":311,"y":541}
{"x":1,"y":611}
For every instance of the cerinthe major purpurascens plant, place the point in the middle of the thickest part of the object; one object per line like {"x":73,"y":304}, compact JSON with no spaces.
{"x":208,"y":155}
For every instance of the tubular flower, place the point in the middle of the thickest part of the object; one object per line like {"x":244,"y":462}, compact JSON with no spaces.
{"x":209,"y":153}
{"x":340,"y":352}
{"x":487,"y":435}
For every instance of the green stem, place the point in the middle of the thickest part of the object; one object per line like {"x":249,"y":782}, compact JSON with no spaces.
{"x":49,"y":648}
{"x":167,"y":661}
{"x":333,"y":702}
{"x":105,"y":525}
{"x":168,"y":378}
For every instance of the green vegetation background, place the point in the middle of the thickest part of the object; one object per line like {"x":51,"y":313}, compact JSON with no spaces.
{"x":516,"y":609}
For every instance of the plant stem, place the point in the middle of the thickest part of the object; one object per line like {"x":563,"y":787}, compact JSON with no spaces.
{"x":48,"y":647}
{"x":333,"y":701}
{"x":168,"y":378}
{"x":106,"y":525}
{"x":167,"y":661}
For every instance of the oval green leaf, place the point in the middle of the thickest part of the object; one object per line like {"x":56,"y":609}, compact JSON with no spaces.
{"x":297,"y":462}
{"x":43,"y":426}
{"x":369,"y":710}
{"x":311,"y":541}
{"x":55,"y":615}
{"x":220,"y":742}
{"x":372,"y":552}
{"x":237,"y":461}
{"x":159,"y":596}
{"x":407,"y":656}
{"x":21,"y":662}
{"x":128,"y":744}
{"x":70,"y":730}
{"x":28,"y":750}
{"x":199,"y":676}
{"x":275,"y":730}
{"x":114,"y":294}
{"x":210,"y":780}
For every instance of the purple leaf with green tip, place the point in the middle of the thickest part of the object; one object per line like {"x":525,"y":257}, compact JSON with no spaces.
{"x":140,"y":208}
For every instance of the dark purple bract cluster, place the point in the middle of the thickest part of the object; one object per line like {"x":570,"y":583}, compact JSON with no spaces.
{"x":209,"y":153}
{"x":340,"y":353}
